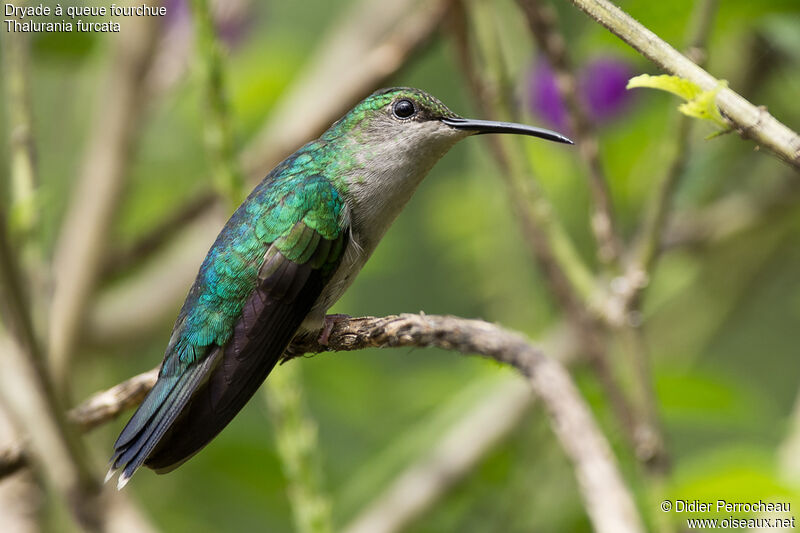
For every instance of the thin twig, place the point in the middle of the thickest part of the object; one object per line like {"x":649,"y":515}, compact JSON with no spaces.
{"x":653,"y":448}
{"x":543,"y":23}
{"x":22,"y":360}
{"x":639,"y":421}
{"x":623,"y":305}
{"x":28,"y":392}
{"x":749,"y":120}
{"x":649,"y":243}
{"x":97,"y":194}
{"x":12,"y":459}
{"x":567,"y":277}
{"x":14,"y":303}
{"x":608,"y":501}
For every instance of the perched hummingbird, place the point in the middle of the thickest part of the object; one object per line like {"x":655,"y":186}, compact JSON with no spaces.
{"x":284,"y":257}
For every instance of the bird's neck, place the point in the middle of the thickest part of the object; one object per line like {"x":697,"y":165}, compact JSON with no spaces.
{"x":381,"y":184}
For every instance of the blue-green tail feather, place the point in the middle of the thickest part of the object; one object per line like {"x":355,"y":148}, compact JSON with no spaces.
{"x":163,"y":404}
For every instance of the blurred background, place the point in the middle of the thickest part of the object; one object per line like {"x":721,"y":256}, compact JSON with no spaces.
{"x":718,"y":323}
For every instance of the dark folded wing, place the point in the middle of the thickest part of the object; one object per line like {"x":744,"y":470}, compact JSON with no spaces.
{"x":202,"y":387}
{"x":270,"y":318}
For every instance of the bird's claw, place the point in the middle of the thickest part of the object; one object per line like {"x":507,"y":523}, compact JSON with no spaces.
{"x":327,"y":327}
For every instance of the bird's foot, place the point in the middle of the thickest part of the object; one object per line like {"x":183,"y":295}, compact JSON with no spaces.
{"x":327,"y":327}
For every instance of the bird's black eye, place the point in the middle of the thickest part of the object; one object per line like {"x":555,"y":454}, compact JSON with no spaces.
{"x":404,"y":108}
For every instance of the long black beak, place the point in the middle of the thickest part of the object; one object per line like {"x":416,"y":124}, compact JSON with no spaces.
{"x":489,"y":126}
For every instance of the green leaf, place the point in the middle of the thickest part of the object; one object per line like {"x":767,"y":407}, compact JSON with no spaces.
{"x":23,"y":212}
{"x":672,"y":84}
{"x":699,"y":103}
{"x":704,"y":106}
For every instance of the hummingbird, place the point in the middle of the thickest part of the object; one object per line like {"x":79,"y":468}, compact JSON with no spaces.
{"x":282,"y":260}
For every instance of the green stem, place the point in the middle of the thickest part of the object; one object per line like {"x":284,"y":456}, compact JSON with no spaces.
{"x":749,"y":120}
{"x":296,"y":436}
{"x":569,"y":277}
{"x":218,"y":130}
{"x":22,"y":207}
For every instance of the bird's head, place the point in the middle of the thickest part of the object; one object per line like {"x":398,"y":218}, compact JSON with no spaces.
{"x":409,"y":121}
{"x":390,"y":140}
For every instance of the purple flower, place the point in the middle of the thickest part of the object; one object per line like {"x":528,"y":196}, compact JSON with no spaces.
{"x":601,"y":88}
{"x":234,"y":20}
{"x":545,"y":100}
{"x":177,"y":12}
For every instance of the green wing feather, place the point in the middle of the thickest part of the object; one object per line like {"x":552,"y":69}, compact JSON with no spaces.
{"x":257,"y":284}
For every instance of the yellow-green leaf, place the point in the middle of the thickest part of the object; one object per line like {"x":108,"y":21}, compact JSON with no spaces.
{"x":699,"y":103}
{"x":704,"y":106}
{"x":672,"y":84}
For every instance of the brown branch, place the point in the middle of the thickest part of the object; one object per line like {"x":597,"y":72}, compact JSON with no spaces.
{"x":29,"y":395}
{"x":53,"y":445}
{"x":568,"y":279}
{"x":749,"y":120}
{"x":543,"y":23}
{"x":484,"y":423}
{"x":440,"y":467}
{"x":608,"y":501}
{"x":108,"y":404}
{"x":12,"y":459}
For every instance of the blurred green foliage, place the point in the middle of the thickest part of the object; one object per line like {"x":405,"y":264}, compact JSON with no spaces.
{"x":722,"y":321}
